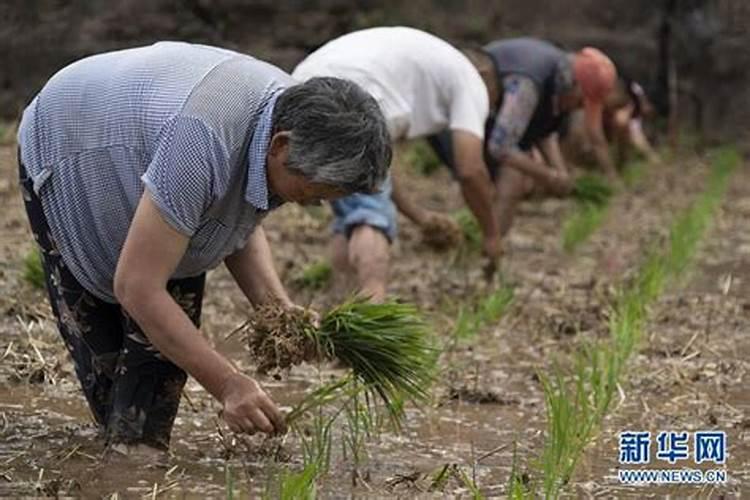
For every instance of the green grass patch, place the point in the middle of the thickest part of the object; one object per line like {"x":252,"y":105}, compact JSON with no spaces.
{"x":315,"y":276}
{"x":33,"y":272}
{"x":420,"y":157}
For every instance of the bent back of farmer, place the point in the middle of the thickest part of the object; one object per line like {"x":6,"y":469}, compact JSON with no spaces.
{"x":539,"y":85}
{"x":144,"y":168}
{"x":529,"y":62}
{"x":423,"y":85}
{"x":116,"y":123}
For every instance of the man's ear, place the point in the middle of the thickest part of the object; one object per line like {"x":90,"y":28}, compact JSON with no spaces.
{"x":279,"y":144}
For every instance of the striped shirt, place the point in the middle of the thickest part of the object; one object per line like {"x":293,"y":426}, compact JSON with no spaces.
{"x":189,"y":123}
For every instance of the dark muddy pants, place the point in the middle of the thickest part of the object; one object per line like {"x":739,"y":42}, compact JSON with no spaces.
{"x":133,"y":392}
{"x":442,"y":144}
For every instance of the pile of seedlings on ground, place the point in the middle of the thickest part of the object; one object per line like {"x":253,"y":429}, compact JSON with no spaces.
{"x":386,"y":346}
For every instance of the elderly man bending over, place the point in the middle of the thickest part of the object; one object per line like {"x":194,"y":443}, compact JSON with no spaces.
{"x":142,"y":169}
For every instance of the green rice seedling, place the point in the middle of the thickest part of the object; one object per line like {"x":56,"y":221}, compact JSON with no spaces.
{"x":592,"y":189}
{"x":472,"y":233}
{"x":518,"y":486}
{"x":294,"y":485}
{"x":360,"y":424}
{"x":386,"y":346}
{"x":467,"y":323}
{"x":440,"y":478}
{"x":582,"y":224}
{"x":228,"y":482}
{"x":468,"y":483}
{"x":33,"y":271}
{"x":495,"y":304}
{"x":315,"y":276}
{"x":486,"y":311}
{"x":317,"y":440}
{"x":421,"y":158}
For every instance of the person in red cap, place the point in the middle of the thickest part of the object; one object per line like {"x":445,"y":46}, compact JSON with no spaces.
{"x":540,"y":85}
{"x":595,"y":75}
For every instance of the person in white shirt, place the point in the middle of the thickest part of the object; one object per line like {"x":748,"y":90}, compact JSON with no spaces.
{"x":423,"y":85}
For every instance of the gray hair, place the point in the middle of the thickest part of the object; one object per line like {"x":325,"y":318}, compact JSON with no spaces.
{"x":338,"y":134}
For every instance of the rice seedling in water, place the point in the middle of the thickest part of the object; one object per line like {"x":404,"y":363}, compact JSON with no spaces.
{"x":360,"y":425}
{"x":294,"y":485}
{"x":469,"y":483}
{"x":315,"y":276}
{"x":386,"y":346}
{"x":33,"y":272}
{"x":486,"y":311}
{"x":228,"y":482}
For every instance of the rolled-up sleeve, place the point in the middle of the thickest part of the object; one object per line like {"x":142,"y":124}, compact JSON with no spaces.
{"x":182,"y":175}
{"x":520,"y":99}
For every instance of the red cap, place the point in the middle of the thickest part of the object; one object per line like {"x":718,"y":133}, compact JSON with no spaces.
{"x":594,"y":73}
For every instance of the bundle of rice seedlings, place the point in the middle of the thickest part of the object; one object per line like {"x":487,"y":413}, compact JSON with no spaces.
{"x":442,"y":233}
{"x":592,"y":189}
{"x":385,"y":345}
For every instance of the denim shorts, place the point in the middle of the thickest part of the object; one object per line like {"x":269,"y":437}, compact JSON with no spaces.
{"x":374,"y":210}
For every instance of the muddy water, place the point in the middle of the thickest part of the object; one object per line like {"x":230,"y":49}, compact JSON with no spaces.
{"x":48,"y":444}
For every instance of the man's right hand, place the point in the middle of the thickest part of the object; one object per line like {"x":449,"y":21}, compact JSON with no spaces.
{"x":247,"y":408}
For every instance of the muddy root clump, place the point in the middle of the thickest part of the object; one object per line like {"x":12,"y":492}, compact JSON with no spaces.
{"x":442,"y":233}
{"x":279,"y":338}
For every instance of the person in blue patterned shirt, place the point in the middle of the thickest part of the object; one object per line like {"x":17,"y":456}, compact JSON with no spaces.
{"x":141,"y":169}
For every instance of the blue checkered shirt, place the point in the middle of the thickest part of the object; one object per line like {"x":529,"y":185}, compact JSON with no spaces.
{"x":189,"y":123}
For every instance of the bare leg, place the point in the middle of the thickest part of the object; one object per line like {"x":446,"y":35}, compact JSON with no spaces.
{"x":511,"y":188}
{"x":369,"y":255}
{"x":342,"y":271}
